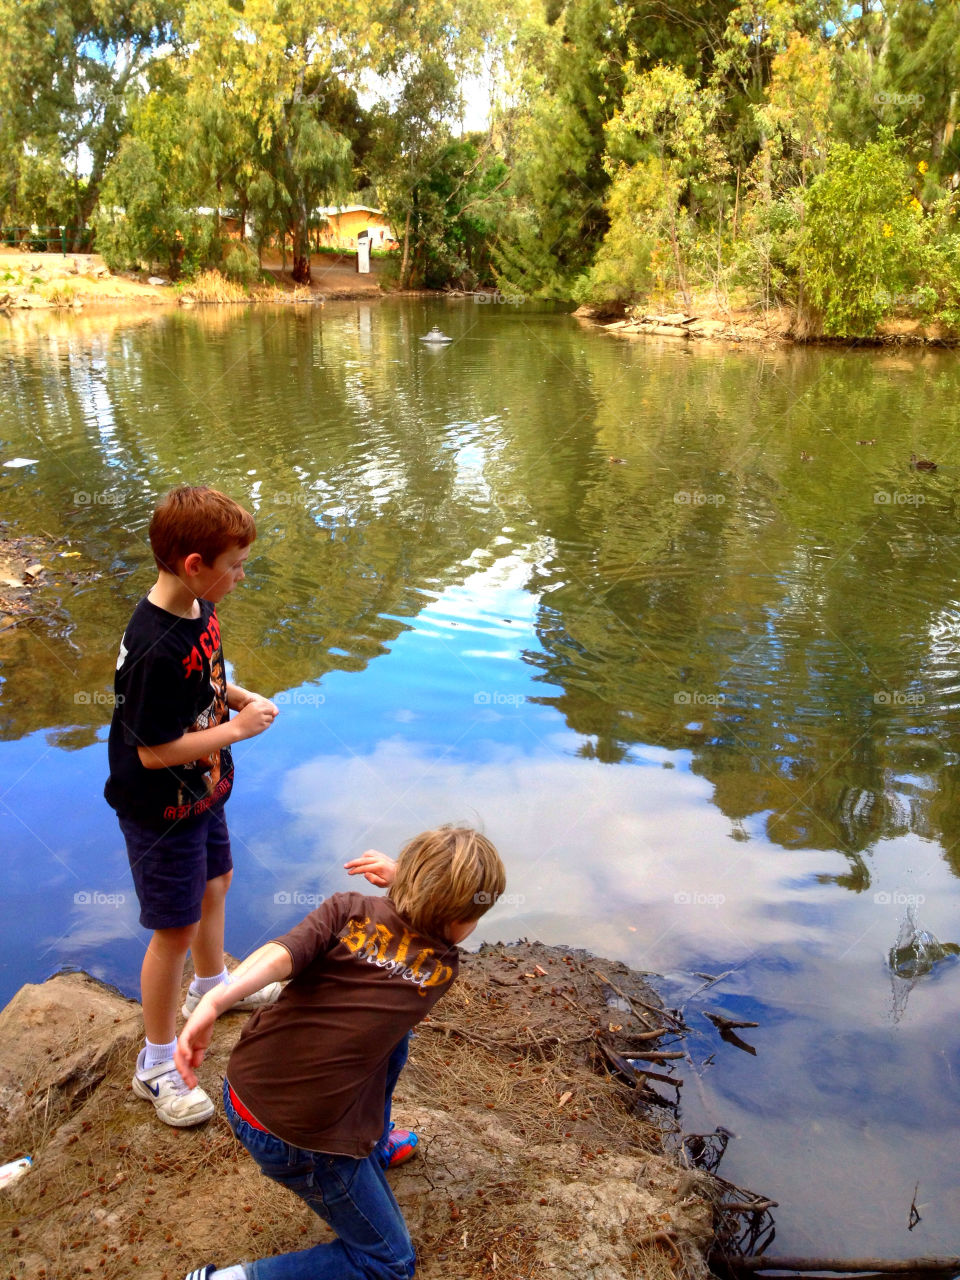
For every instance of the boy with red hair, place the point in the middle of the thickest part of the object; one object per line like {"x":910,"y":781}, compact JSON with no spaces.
{"x":171,"y":772}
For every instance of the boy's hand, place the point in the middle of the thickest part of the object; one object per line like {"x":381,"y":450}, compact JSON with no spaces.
{"x":194,"y":1040}
{"x":238,"y":697}
{"x":254,"y":717}
{"x":376,"y":866}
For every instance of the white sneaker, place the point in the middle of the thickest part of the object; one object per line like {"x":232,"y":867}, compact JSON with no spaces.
{"x":255,"y":1000}
{"x":174,"y":1102}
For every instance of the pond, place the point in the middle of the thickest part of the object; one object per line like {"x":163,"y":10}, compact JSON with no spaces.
{"x":676,"y":624}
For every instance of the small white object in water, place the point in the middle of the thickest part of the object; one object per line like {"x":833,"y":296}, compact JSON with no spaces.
{"x":435,"y":335}
{"x":14,"y":1170}
{"x":22,"y":462}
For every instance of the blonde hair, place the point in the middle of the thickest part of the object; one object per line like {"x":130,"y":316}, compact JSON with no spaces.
{"x":446,"y":875}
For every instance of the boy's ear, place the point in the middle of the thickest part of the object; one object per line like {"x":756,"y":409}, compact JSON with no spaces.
{"x":192,"y":563}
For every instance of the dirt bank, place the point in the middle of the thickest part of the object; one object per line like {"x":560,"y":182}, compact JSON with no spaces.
{"x":77,"y":281}
{"x":536,"y":1160}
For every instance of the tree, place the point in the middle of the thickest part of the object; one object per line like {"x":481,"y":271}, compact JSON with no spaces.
{"x":68,"y":69}
{"x":268,"y":70}
{"x":150,"y":196}
{"x":661,"y":152}
{"x":583,"y":54}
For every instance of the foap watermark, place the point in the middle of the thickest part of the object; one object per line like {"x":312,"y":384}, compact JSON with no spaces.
{"x":300,"y":698}
{"x":292,"y":498}
{"x":487,"y":698}
{"x":500,"y":299}
{"x":685,"y":899}
{"x":97,"y":698}
{"x":919,"y":297}
{"x":897,"y":698}
{"x":888,"y":99}
{"x":297,"y":898}
{"x":694,"y":498}
{"x":97,"y":498}
{"x":897,"y":498}
{"x":695,"y":698}
{"x":96,"y":898}
{"x":898,"y":899}
{"x":499,"y":899}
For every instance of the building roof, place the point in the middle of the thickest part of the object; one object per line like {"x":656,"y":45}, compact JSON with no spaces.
{"x":334,"y":210}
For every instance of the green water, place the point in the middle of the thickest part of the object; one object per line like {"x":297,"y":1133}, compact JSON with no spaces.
{"x":702,"y":692}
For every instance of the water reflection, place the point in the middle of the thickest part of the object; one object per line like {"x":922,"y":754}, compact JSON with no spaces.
{"x":792,"y":625}
{"x":704,"y":698}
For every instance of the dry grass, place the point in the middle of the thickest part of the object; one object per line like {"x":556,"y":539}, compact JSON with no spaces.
{"x":524,"y":1078}
{"x":211,"y":286}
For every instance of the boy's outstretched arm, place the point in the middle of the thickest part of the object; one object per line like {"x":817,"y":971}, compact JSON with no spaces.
{"x":376,"y":866}
{"x":271,"y":963}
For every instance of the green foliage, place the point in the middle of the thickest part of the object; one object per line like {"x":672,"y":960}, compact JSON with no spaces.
{"x":863,"y":237}
{"x":660,"y":152}
{"x":795,"y":151}
{"x":241,"y":265}
{"x":68,"y":71}
{"x":140,"y":222}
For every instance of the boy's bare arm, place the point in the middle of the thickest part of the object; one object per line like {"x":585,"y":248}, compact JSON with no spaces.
{"x":376,"y":866}
{"x":271,"y":963}
{"x":255,"y":716}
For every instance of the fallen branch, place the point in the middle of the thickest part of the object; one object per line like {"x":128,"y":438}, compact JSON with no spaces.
{"x":845,"y":1266}
{"x":633,"y":1001}
{"x":728,"y":1024}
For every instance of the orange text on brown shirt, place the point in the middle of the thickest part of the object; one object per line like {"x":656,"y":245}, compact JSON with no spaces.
{"x":380,"y":946}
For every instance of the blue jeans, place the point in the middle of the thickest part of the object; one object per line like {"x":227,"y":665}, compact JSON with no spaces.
{"x":351,"y":1195}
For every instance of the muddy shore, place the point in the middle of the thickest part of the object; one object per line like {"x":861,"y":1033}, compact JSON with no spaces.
{"x":544,"y":1150}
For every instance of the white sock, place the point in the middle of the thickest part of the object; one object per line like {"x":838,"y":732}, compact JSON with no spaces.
{"x":202,"y":985}
{"x":154,"y":1054}
{"x":230,"y":1273}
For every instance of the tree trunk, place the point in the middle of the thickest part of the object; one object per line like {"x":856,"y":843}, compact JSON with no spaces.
{"x":301,"y":250}
{"x":678,"y":262}
{"x":405,"y":262}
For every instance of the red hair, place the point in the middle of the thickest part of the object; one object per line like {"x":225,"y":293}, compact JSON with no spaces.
{"x":193,"y":518}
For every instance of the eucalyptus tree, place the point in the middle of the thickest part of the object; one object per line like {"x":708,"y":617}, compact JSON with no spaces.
{"x":67,"y":71}
{"x":265,"y":71}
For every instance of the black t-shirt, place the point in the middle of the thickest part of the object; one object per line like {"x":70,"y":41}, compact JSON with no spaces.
{"x":170,"y":681}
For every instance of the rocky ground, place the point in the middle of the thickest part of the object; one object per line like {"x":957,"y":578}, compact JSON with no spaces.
{"x":541,"y":1151}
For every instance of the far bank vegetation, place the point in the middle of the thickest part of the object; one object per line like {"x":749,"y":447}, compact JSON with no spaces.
{"x":766,"y":154}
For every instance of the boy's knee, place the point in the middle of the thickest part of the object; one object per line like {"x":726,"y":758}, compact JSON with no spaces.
{"x":400,"y":1268}
{"x":218,"y":886}
{"x":173,"y":941}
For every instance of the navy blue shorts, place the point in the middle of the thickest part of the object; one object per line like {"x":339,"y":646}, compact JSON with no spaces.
{"x":171,"y":868}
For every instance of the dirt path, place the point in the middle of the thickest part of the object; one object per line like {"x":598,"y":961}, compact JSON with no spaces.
{"x":335,"y":277}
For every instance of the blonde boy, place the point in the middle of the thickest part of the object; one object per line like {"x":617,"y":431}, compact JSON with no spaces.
{"x":309,"y":1084}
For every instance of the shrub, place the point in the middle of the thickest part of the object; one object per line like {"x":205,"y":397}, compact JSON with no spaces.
{"x":861,"y":246}
{"x":241,"y":265}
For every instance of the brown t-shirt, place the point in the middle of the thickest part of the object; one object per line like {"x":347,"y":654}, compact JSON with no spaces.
{"x":312,"y":1068}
